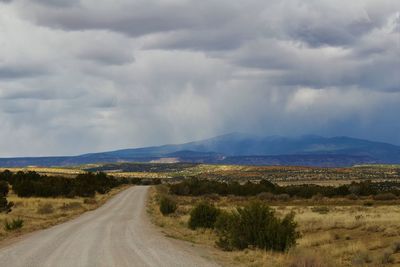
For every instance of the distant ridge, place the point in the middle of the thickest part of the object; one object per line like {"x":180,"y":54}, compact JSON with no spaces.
{"x":239,"y":148}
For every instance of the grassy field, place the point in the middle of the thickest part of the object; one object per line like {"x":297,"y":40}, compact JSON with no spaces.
{"x":333,"y":232}
{"x":279,"y":174}
{"x":40,"y":213}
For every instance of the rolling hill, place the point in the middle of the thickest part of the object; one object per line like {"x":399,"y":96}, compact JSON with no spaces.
{"x":237,"y":148}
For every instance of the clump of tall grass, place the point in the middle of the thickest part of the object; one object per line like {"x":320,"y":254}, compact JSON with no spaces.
{"x":14,"y":224}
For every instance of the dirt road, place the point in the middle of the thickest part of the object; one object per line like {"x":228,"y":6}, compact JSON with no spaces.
{"x":117,"y":234}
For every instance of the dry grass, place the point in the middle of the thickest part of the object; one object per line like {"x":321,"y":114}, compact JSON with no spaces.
{"x":343,"y":235}
{"x":40,"y":213}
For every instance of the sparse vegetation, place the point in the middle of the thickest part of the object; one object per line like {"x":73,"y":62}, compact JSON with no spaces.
{"x":344,"y":219}
{"x":337,"y":231}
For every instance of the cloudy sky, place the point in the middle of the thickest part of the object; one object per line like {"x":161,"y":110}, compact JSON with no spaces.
{"x":91,"y":75}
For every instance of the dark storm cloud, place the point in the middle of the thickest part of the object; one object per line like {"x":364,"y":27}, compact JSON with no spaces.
{"x":198,"y":25}
{"x":276,"y":25}
{"x":92,"y":75}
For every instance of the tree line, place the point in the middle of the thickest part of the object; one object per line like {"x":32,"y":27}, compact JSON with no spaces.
{"x":198,"y":187}
{"x":33,"y":184}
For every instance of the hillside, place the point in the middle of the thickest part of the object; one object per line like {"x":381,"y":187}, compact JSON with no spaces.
{"x":236,"y":148}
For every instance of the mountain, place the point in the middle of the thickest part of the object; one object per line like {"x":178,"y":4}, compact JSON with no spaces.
{"x":238,"y":148}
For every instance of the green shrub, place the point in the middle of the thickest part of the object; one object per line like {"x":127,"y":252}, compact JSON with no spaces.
{"x":226,"y":227}
{"x":255,"y":225}
{"x":167,"y":205}
{"x":203,"y":215}
{"x":14,"y":224}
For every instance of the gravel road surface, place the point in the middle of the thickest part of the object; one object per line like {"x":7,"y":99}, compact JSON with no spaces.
{"x":116,"y":234}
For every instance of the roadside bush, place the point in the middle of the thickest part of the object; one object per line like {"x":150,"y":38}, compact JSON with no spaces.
{"x":256,"y":225}
{"x":226,"y":227}
{"x":45,"y":208}
{"x":167,"y":205}
{"x":14,"y":224}
{"x":203,"y":215}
